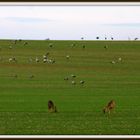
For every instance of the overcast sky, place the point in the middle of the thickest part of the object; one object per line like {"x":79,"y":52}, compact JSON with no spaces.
{"x":69,"y":22}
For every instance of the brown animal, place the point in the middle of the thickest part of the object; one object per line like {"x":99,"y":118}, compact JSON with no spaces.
{"x":110,"y":106}
{"x":51,"y":106}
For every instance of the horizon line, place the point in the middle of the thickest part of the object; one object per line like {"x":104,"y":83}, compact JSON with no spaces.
{"x":69,"y":40}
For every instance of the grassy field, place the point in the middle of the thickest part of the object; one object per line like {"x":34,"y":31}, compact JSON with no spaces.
{"x":23,"y":100}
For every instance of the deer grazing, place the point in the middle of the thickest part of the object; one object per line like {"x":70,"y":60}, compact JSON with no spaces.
{"x":110,"y":106}
{"x":51,"y":107}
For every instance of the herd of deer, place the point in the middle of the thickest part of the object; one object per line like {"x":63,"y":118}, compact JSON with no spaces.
{"x":107,"y":109}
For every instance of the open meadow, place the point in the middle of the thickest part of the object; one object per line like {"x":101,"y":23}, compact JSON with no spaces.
{"x":109,"y":70}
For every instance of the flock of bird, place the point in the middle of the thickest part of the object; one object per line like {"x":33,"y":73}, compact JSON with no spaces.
{"x":72,"y":78}
{"x":46,"y":59}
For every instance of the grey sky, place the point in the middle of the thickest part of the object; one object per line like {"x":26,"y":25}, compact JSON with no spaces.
{"x":69,"y":22}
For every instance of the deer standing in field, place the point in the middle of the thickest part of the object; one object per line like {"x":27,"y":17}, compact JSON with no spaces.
{"x":110,"y":106}
{"x":51,"y":106}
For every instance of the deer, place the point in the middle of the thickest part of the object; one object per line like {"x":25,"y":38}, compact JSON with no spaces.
{"x":110,"y":106}
{"x":51,"y":107}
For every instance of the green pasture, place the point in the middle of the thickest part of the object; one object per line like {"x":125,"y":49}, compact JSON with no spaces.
{"x":23,"y":100}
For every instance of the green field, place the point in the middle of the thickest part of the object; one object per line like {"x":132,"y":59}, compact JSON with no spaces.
{"x":23,"y":100}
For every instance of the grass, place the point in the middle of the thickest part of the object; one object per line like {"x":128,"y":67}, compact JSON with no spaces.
{"x":23,"y":101}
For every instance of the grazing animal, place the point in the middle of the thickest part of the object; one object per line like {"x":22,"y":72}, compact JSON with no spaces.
{"x":25,"y":43}
{"x":73,"y":44}
{"x":66,"y":78}
{"x":73,"y":76}
{"x":36,"y":59}
{"x":12,"y":59}
{"x":44,"y":60}
{"x":51,"y":107}
{"x":106,"y":47}
{"x":73,"y":82}
{"x":31,"y":76}
{"x":10,"y":47}
{"x":119,"y":59}
{"x":50,"y":61}
{"x":50,"y":45}
{"x":53,"y":61}
{"x":83,"y":46}
{"x":45,"y":56}
{"x":113,"y":62}
{"x":67,"y":56}
{"x":82,"y":82}
{"x":110,"y":106}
